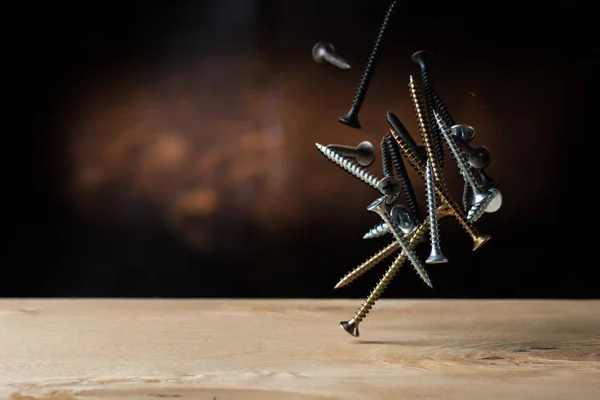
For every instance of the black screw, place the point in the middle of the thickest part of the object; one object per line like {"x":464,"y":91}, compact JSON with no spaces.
{"x":407,"y":188}
{"x":351,"y":119}
{"x":423,"y":59}
{"x":479,"y":157}
{"x":390,"y":185}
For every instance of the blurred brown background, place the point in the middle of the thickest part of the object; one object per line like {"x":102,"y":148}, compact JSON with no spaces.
{"x":167,"y":148}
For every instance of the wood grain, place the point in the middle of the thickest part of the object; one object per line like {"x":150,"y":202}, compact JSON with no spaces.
{"x":294,"y":349}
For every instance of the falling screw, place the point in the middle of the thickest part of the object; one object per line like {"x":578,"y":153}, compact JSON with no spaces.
{"x":378,"y":207}
{"x":479,"y":194}
{"x":479,"y":157}
{"x":436,"y":256}
{"x":367,"y":265}
{"x":349,"y":166}
{"x":325,"y":52}
{"x":417,"y":102}
{"x":409,"y":193}
{"x":351,"y":118}
{"x":465,"y":133}
{"x":423,"y":59}
{"x":389,"y":185}
{"x":364,"y":153}
{"x":478,"y":238}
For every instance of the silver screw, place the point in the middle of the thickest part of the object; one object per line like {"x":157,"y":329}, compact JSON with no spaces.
{"x":436,"y":256}
{"x":379,"y":207}
{"x":479,"y":194}
{"x":353,"y":168}
{"x":466,"y":133}
{"x":325,"y":52}
{"x":364,"y":153}
{"x":401,"y":216}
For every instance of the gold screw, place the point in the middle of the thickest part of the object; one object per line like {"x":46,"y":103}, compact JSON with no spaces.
{"x":417,"y":102}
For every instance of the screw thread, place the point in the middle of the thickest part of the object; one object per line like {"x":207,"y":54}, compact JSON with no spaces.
{"x":457,"y":154}
{"x":343,"y":150}
{"x":409,"y":193}
{"x":367,"y":75}
{"x":434,"y":232}
{"x":442,"y":109}
{"x":467,"y":197}
{"x":410,"y":253}
{"x":336,"y":60}
{"x":439,"y":189}
{"x":433,"y":128}
{"x":368,"y":264}
{"x":351,"y":167}
{"x":364,"y":309}
{"x":377,"y":231}
{"x":417,"y":101}
{"x":477,"y":210}
{"x":386,"y":162}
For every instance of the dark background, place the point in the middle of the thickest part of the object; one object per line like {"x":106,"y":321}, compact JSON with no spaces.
{"x":167,"y":148}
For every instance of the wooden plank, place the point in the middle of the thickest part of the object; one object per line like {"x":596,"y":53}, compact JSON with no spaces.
{"x":294,"y":349}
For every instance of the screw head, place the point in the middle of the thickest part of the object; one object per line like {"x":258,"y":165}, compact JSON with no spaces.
{"x":365,"y":153}
{"x":377,"y":206}
{"x":496,"y":202}
{"x":422,"y":58}
{"x":391,"y":188}
{"x":402,"y":217}
{"x":464,"y":132}
{"x":481,"y":157}
{"x":320,"y":49}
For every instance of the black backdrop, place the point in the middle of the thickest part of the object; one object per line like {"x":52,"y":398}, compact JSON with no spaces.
{"x":167,"y":148}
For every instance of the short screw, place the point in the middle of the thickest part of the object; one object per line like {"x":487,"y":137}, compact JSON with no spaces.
{"x":351,"y":118}
{"x":378,"y":207}
{"x":479,"y":194}
{"x":349,"y":166}
{"x":325,"y":52}
{"x":364,"y":153}
{"x":436,"y":256}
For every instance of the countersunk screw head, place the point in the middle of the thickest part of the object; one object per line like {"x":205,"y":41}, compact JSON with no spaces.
{"x":391,"y":187}
{"x":466,"y":133}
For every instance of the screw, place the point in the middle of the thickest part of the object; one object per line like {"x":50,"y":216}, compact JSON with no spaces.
{"x":436,"y":256}
{"x":378,"y":207}
{"x":417,"y":102}
{"x":351,"y":119}
{"x":477,"y":210}
{"x":423,"y":59}
{"x":351,"y":167}
{"x":351,"y":326}
{"x":389,"y":185}
{"x":479,"y":194}
{"x":478,"y":238}
{"x":496,"y":201}
{"x":364,"y":153}
{"x":467,"y":197}
{"x":409,"y":193}
{"x":401,"y":217}
{"x":325,"y":52}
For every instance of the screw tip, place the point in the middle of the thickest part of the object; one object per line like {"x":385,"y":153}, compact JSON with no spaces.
{"x":340,"y":284}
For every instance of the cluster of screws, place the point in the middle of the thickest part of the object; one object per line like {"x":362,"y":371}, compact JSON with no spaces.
{"x":404,"y":222}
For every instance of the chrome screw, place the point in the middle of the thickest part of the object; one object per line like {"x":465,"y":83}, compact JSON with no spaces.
{"x":349,"y":166}
{"x":363,"y":154}
{"x":325,"y":52}
{"x":436,"y":256}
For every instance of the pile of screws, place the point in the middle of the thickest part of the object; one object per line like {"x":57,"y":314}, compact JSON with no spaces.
{"x":405,"y":222}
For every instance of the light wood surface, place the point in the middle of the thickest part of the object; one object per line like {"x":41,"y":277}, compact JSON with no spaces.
{"x":295,"y":349}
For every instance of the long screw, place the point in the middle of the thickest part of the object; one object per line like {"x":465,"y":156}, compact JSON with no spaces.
{"x":399,"y":133}
{"x":351,"y":326}
{"x":410,"y":197}
{"x":364,"y":153}
{"x":423,"y":59}
{"x":325,"y":52}
{"x":417,"y":102}
{"x":351,"y":118}
{"x":436,"y":256}
{"x":349,"y":166}
{"x":378,"y":207}
{"x":389,"y":184}
{"x":479,"y":194}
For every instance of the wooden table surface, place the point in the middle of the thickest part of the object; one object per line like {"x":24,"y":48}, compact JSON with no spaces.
{"x":295,"y":349}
